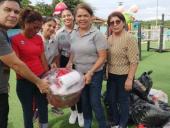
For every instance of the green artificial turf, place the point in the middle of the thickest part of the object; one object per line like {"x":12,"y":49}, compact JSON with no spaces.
{"x":158,"y":62}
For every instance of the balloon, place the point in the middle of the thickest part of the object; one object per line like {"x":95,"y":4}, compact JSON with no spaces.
{"x":129,"y":17}
{"x":134,"y":8}
{"x":59,"y":8}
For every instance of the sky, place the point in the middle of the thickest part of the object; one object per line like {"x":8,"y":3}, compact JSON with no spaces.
{"x":148,"y":9}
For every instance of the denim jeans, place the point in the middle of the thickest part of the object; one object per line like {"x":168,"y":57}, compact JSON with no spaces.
{"x":27,"y":91}
{"x":4,"y":110}
{"x":91,"y":101}
{"x":118,"y":99}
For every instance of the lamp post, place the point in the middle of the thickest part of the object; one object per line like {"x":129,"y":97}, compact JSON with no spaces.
{"x":120,"y":7}
{"x":120,"y":3}
{"x":156,"y":13}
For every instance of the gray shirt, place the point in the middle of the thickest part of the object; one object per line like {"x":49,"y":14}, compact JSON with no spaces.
{"x":63,"y":40}
{"x":85,"y":48}
{"x":5,"y":49}
{"x":51,"y":49}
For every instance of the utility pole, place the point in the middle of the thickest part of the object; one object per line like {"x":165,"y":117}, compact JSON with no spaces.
{"x":156,"y":13}
{"x":120,"y":3}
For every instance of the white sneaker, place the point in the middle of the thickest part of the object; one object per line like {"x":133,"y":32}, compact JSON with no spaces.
{"x":80,"y":119}
{"x":73,"y":117}
{"x":115,"y":126}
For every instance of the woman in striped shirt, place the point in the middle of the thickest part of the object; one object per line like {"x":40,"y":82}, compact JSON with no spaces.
{"x":123,"y":58}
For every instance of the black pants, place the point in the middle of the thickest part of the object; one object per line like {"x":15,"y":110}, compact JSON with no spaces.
{"x":27,"y":91}
{"x":63,"y":61}
{"x":118,"y":99}
{"x":4,"y":110}
{"x":79,"y":106}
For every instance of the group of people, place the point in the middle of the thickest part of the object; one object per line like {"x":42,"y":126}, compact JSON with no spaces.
{"x":78,"y":45}
{"x":10,"y":10}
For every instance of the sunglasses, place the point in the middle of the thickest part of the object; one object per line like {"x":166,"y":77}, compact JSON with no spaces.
{"x":116,"y":22}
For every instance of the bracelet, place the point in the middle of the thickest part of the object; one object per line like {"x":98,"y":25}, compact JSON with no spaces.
{"x":130,"y":78}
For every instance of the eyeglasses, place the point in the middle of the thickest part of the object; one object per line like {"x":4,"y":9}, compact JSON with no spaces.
{"x":116,"y":22}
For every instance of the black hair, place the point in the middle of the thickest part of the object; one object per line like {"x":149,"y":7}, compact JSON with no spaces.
{"x":18,"y":1}
{"x":116,"y":14}
{"x":48,"y":18}
{"x":85,"y":6}
{"x":29,"y":16}
{"x":66,"y":10}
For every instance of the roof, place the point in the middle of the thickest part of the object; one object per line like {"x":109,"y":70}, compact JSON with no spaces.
{"x":99,"y":20}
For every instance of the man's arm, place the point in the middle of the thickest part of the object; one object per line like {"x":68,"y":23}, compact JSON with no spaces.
{"x":21,"y":68}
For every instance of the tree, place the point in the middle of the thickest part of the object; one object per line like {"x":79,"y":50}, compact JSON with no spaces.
{"x":44,"y":9}
{"x":71,"y":4}
{"x":25,"y":3}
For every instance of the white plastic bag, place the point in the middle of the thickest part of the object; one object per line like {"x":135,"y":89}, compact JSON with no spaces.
{"x":65,"y":85}
{"x":159,"y":95}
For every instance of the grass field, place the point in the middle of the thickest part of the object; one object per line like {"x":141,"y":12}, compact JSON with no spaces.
{"x":158,"y":62}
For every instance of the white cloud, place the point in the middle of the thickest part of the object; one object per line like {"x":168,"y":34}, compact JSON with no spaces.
{"x":45,"y":1}
{"x":147,"y":8}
